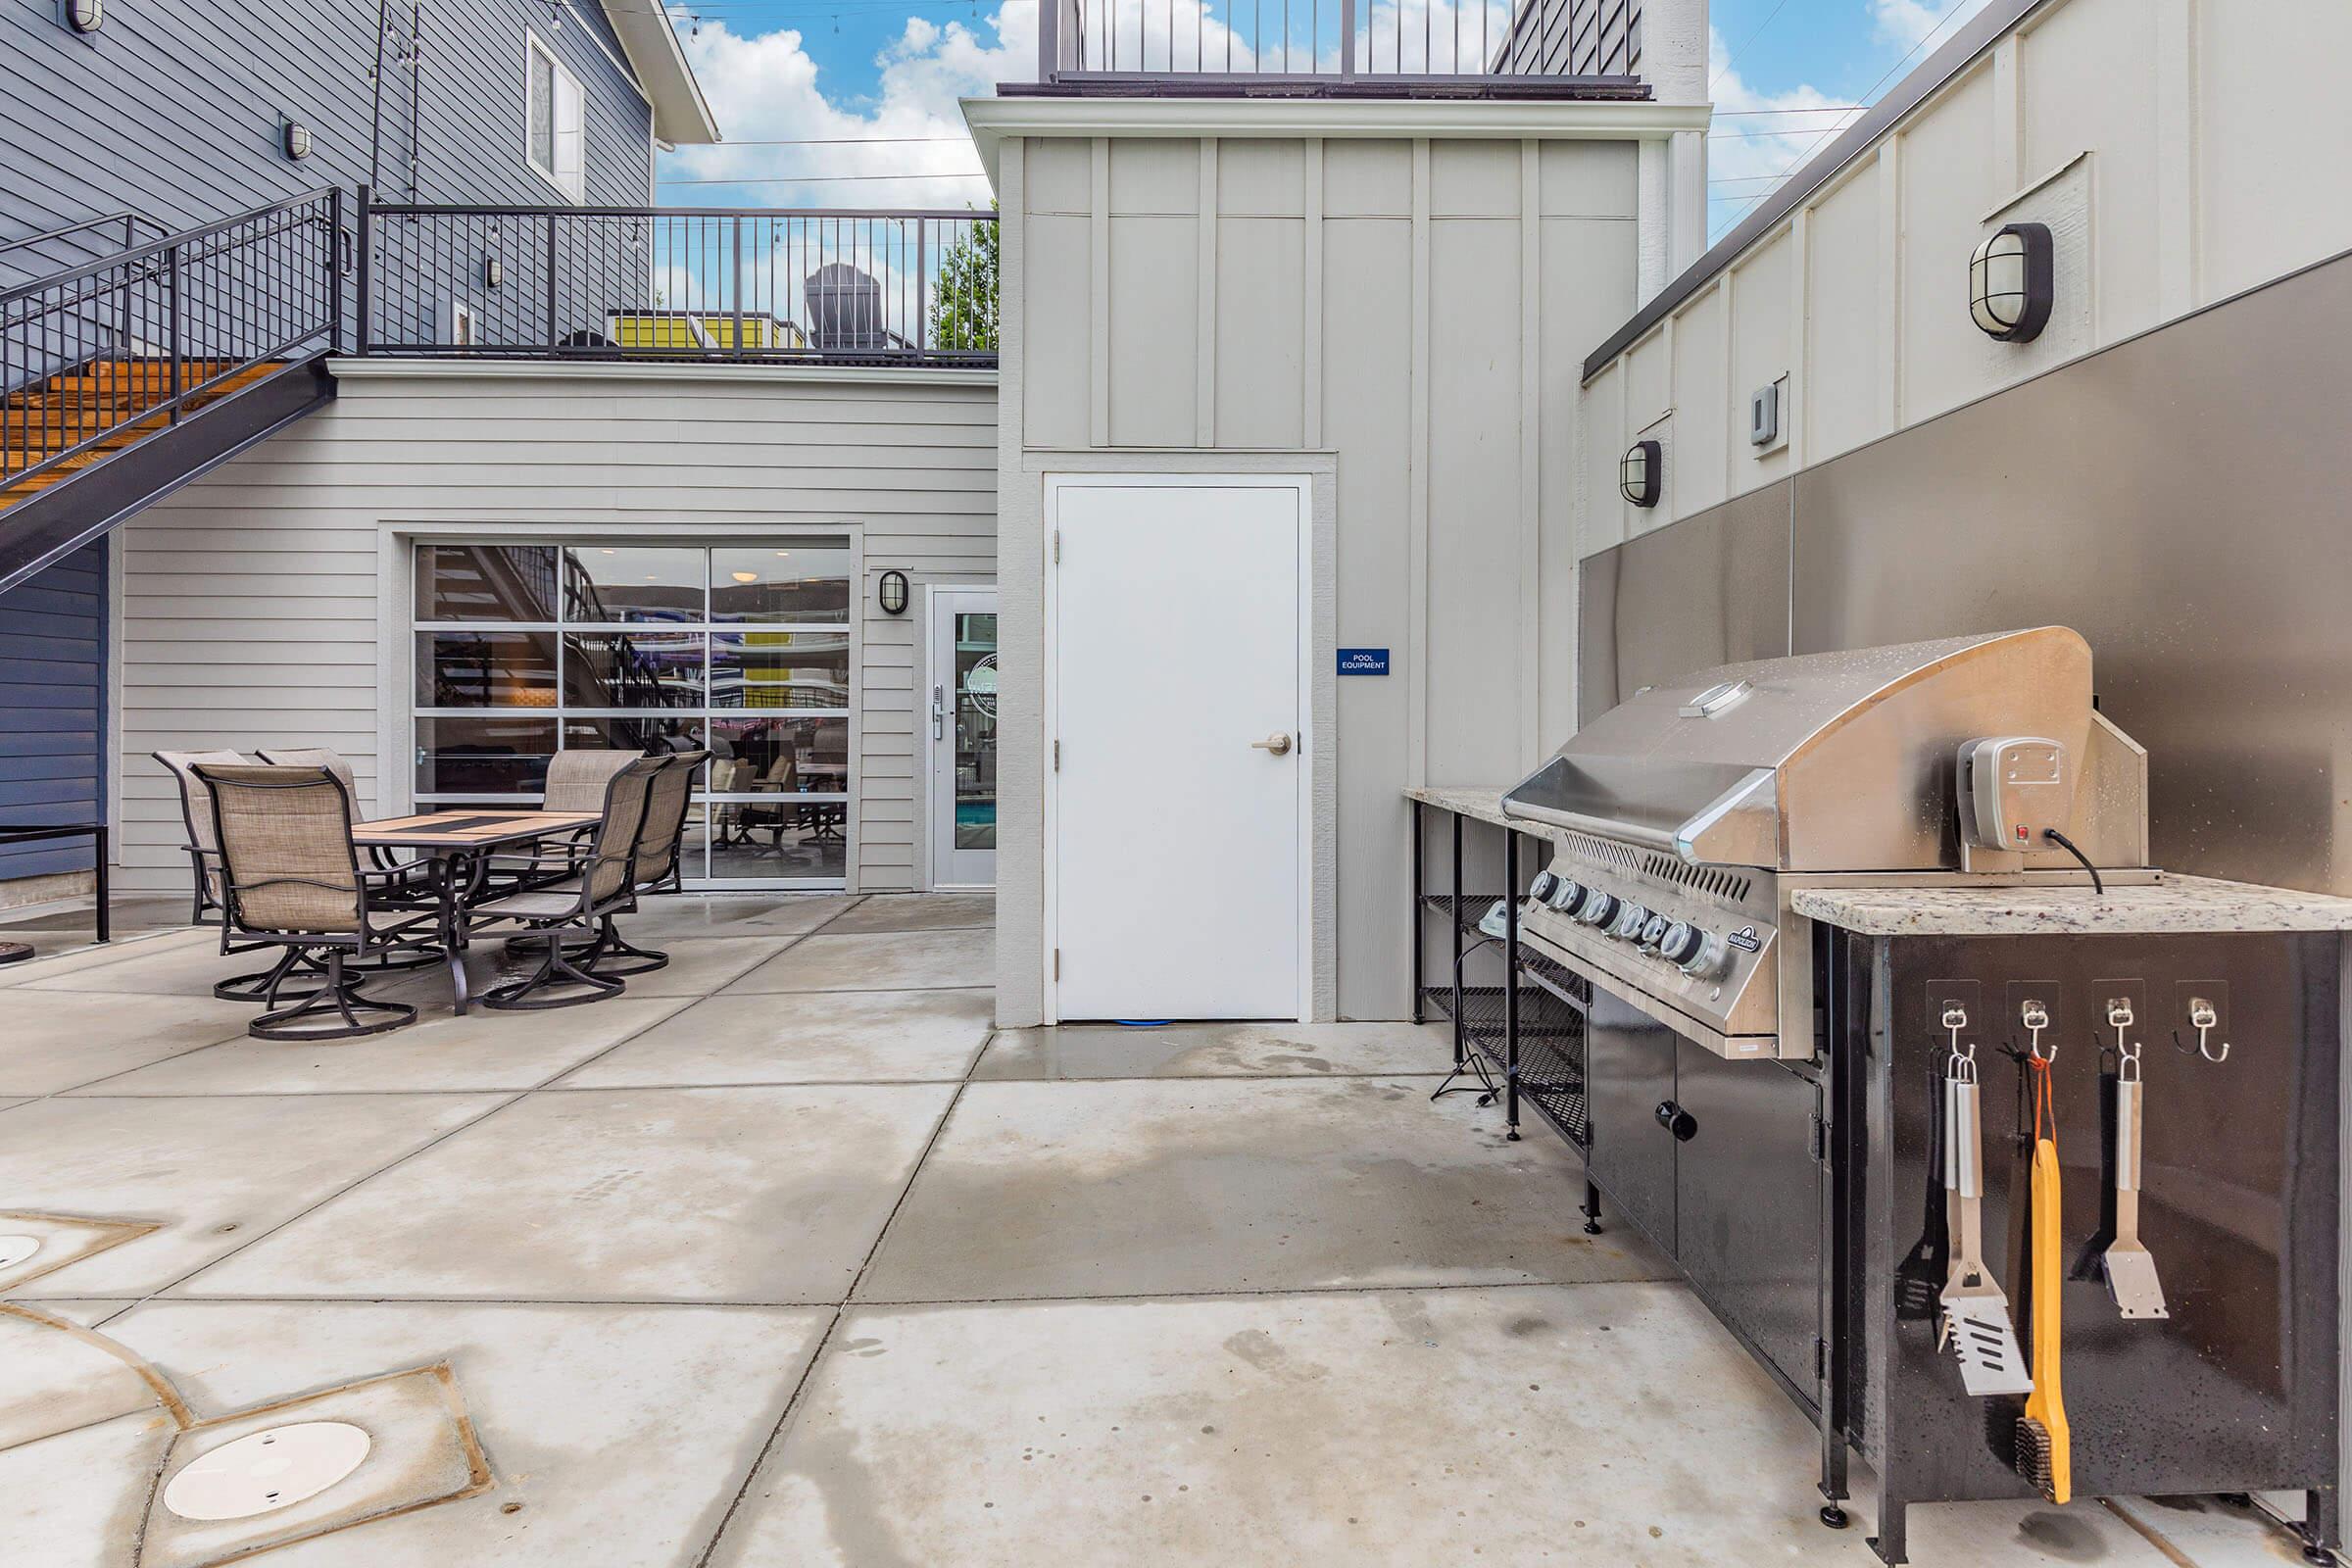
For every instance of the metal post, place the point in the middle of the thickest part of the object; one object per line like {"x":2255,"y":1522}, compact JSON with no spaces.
{"x":1346,"y":40}
{"x":550,"y":282}
{"x":1510,"y":983}
{"x":362,"y":334}
{"x":736,"y":284}
{"x":334,"y":269}
{"x":1453,"y":922}
{"x":106,"y":926}
{"x":171,"y":318}
{"x":923,"y":288}
{"x":1049,"y":38}
{"x":1420,"y":911}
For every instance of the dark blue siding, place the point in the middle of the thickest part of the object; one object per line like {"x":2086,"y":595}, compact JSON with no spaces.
{"x":53,"y":693}
{"x":173,"y":107}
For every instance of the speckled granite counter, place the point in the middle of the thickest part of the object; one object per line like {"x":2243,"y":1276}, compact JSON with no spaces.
{"x":2171,"y":904}
{"x":1484,"y":802}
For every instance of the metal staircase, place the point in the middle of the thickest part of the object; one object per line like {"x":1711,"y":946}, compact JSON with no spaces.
{"x":124,"y":377}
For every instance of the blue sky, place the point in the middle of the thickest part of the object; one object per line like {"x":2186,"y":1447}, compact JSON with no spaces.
{"x":835,"y":102}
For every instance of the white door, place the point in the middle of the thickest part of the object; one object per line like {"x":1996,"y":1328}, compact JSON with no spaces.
{"x":962,"y":699}
{"x":1177,"y":799}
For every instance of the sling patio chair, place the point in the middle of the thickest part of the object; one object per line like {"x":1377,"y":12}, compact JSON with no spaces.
{"x":659,"y":867}
{"x":575,"y":782}
{"x":290,"y":876}
{"x":566,"y":915}
{"x":204,"y":859}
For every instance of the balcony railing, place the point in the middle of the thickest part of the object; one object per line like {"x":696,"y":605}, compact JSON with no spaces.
{"x":678,"y":283}
{"x":1580,"y":48}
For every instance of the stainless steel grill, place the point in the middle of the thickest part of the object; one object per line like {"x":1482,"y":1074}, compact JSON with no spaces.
{"x":1684,"y":817}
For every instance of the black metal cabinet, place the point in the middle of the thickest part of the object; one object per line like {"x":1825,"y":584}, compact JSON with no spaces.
{"x":1629,"y":1074}
{"x":1747,"y":1201}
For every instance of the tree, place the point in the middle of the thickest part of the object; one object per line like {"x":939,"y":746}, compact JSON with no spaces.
{"x":964,"y":305}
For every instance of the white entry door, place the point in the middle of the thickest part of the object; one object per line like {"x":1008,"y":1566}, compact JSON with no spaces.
{"x":962,"y":697}
{"x":1178,"y":712}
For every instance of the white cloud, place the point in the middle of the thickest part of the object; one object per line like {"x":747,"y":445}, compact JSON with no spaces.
{"x":1750,"y":153}
{"x":764,"y":89}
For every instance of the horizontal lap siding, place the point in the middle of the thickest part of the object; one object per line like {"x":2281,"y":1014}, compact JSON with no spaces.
{"x":250,"y":609}
{"x":53,"y":693}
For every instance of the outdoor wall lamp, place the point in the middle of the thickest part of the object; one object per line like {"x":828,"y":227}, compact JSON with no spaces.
{"x":1639,"y":472}
{"x":85,"y":15}
{"x":894,"y":593}
{"x":2009,"y":283}
{"x":494,"y":271}
{"x":295,"y":138}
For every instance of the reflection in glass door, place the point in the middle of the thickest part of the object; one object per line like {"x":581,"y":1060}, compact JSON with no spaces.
{"x":963,"y":737}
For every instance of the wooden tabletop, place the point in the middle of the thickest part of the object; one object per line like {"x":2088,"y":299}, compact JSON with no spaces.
{"x":466,"y":828}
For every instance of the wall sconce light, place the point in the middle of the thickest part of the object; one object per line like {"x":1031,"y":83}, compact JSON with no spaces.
{"x":1764,"y":415}
{"x":2009,"y":283}
{"x":296,"y":140}
{"x":894,"y":593}
{"x":494,"y":271}
{"x":1639,"y":472}
{"x":85,"y":15}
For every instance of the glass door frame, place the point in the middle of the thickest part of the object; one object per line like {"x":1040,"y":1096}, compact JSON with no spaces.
{"x":942,"y":604}
{"x":399,"y":624}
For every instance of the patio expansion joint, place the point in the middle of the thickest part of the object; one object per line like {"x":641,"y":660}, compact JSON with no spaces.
{"x":792,"y":1401}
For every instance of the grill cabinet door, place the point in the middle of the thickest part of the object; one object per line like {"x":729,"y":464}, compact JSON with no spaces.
{"x":1628,"y":1072}
{"x":1747,"y":1226}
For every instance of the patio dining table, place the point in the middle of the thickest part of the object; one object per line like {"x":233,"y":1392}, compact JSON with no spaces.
{"x":458,"y":844}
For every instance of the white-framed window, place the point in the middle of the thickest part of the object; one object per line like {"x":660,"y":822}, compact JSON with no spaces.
{"x":553,"y":138}
{"x":465,"y":330}
{"x":742,"y":648}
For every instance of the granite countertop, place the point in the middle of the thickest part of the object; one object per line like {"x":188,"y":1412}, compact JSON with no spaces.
{"x":1482,"y":802}
{"x":2170,"y":903}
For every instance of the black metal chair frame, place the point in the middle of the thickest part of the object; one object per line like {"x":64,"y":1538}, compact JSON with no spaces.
{"x":610,"y":945}
{"x":339,"y":989}
{"x":563,"y":939}
{"x":292,"y":964}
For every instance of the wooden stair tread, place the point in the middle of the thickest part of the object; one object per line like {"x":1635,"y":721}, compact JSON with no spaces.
{"x":67,"y":410}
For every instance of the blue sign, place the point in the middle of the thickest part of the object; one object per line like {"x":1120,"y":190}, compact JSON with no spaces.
{"x":1364,"y":660}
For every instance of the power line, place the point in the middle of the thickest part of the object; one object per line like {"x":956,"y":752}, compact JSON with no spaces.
{"x":823,"y":179}
{"x":1809,"y":109}
{"x":1743,"y":49}
{"x":842,"y":142}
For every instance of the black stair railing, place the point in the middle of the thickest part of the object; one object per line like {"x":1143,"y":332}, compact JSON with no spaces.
{"x":130,"y":342}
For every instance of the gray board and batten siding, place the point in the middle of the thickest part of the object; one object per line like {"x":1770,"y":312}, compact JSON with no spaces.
{"x":263,"y":605}
{"x":175,"y":110}
{"x":53,"y":632}
{"x":2176,"y":498}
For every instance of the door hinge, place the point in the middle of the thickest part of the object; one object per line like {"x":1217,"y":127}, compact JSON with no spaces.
{"x":1821,"y":1360}
{"x":1057,"y":963}
{"x":1820,"y":1139}
{"x":1057,"y":757}
{"x":1057,"y":547}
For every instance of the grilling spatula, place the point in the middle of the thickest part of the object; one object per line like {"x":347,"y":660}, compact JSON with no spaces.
{"x":1975,"y":1313}
{"x":2130,"y":1266}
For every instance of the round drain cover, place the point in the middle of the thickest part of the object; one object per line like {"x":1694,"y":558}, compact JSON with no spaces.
{"x":15,"y":1249}
{"x":263,"y":1471}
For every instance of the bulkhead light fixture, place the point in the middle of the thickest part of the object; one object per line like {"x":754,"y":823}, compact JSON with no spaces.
{"x":2010,"y":283}
{"x":85,"y":15}
{"x":1640,"y":471}
{"x":494,"y":271}
{"x":894,"y":593}
{"x":295,"y":138}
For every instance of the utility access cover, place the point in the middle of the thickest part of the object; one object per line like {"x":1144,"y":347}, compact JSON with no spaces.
{"x":264,"y":1471}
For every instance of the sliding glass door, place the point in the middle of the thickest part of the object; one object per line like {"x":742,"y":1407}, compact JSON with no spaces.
{"x":743,"y":650}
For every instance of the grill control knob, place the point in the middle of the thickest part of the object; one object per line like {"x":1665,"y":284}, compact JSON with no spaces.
{"x":1599,"y":908}
{"x":1627,"y":927}
{"x":1568,"y":894}
{"x":1541,"y":889}
{"x":1682,"y":943}
{"x":1653,"y":931}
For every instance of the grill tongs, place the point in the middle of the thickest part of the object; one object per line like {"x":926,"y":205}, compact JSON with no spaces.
{"x":1977,"y":1324}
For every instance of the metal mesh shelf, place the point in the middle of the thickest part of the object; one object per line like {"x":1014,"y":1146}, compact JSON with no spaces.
{"x":1473,"y":906}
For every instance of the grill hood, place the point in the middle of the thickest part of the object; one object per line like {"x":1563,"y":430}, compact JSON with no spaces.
{"x":1842,"y":761}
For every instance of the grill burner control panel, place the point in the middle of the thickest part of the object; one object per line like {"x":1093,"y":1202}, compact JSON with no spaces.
{"x":1698,"y":941}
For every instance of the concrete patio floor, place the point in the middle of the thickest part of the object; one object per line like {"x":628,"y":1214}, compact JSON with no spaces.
{"x":785,"y":1258}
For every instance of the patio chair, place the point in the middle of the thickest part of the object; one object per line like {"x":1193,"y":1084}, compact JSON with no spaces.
{"x":575,"y":782}
{"x":290,"y":876}
{"x":659,"y":867}
{"x":204,"y":859}
{"x":567,"y":912}
{"x":312,"y":756}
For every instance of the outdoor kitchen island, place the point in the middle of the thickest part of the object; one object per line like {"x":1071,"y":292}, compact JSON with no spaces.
{"x":1947,"y":1140}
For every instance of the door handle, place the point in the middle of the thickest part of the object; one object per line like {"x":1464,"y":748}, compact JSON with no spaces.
{"x":1278,"y":743}
{"x":939,"y":714}
{"x":1676,"y":1120}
